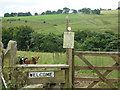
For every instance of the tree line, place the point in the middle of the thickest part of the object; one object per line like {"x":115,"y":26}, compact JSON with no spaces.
{"x":28,"y":40}
{"x":65,"y":10}
{"x":17,"y":14}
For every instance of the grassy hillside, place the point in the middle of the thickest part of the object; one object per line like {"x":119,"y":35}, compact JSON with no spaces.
{"x":108,"y":21}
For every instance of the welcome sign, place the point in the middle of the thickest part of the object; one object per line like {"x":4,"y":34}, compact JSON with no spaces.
{"x":40,"y":74}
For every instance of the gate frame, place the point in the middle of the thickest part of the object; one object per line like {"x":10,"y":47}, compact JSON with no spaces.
{"x":102,"y":77}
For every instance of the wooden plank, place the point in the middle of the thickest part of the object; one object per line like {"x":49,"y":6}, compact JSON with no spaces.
{"x":96,"y":79}
{"x":92,"y":84}
{"x":97,"y":72}
{"x":73,"y":70}
{"x":59,"y":77}
{"x":43,"y":66}
{"x":66,"y":84}
{"x":116,"y":59}
{"x":104,"y":74}
{"x":91,"y":53}
{"x":98,"y":68}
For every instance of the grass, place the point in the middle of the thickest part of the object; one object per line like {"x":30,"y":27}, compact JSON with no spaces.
{"x":109,"y":12}
{"x":108,"y":21}
{"x":45,"y":58}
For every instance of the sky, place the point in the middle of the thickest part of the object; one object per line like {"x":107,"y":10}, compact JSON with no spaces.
{"x":40,"y":6}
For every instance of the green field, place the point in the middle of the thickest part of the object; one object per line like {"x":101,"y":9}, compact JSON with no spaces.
{"x":107,"y":21}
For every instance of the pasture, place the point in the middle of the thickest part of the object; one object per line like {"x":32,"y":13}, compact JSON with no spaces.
{"x":107,"y":21}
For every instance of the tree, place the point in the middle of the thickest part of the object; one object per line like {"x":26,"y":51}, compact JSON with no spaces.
{"x":113,"y":46}
{"x":7,"y":34}
{"x":52,"y":43}
{"x":7,"y":15}
{"x":97,"y":42}
{"x":36,"y":41}
{"x":21,"y":34}
{"x":36,"y":14}
{"x":21,"y":14}
{"x":23,"y":37}
{"x":13,"y":14}
{"x":81,"y":35}
{"x":28,"y":14}
{"x":66,"y":10}
{"x":86,"y":10}
{"x":96,"y":11}
{"x":59,"y":11}
{"x":79,"y":10}
{"x":24,"y":14}
{"x":74,"y":11}
{"x":43,"y":13}
{"x":48,"y":12}
{"x":53,"y":12}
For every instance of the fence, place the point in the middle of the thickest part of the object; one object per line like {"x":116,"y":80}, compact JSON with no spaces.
{"x":101,"y":77}
{"x":19,"y":75}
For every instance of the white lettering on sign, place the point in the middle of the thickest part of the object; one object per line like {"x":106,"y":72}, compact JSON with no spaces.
{"x":40,"y":74}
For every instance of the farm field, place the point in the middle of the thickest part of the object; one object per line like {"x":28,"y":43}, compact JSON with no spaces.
{"x":107,"y":21}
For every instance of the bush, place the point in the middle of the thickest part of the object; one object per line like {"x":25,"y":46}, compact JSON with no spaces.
{"x":96,"y":41}
{"x":84,"y":40}
{"x":52,"y":43}
{"x":21,"y":34}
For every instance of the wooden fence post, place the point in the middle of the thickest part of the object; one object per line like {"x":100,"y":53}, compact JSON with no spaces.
{"x":69,"y":45}
{"x":9,"y":62}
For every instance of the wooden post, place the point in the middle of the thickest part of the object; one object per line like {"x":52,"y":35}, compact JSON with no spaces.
{"x":70,"y":63}
{"x":66,"y":84}
{"x":69,"y":45}
{"x":67,"y":23}
{"x":9,"y":62}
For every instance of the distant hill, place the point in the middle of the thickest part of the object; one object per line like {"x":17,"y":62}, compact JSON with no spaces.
{"x":107,"y":21}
